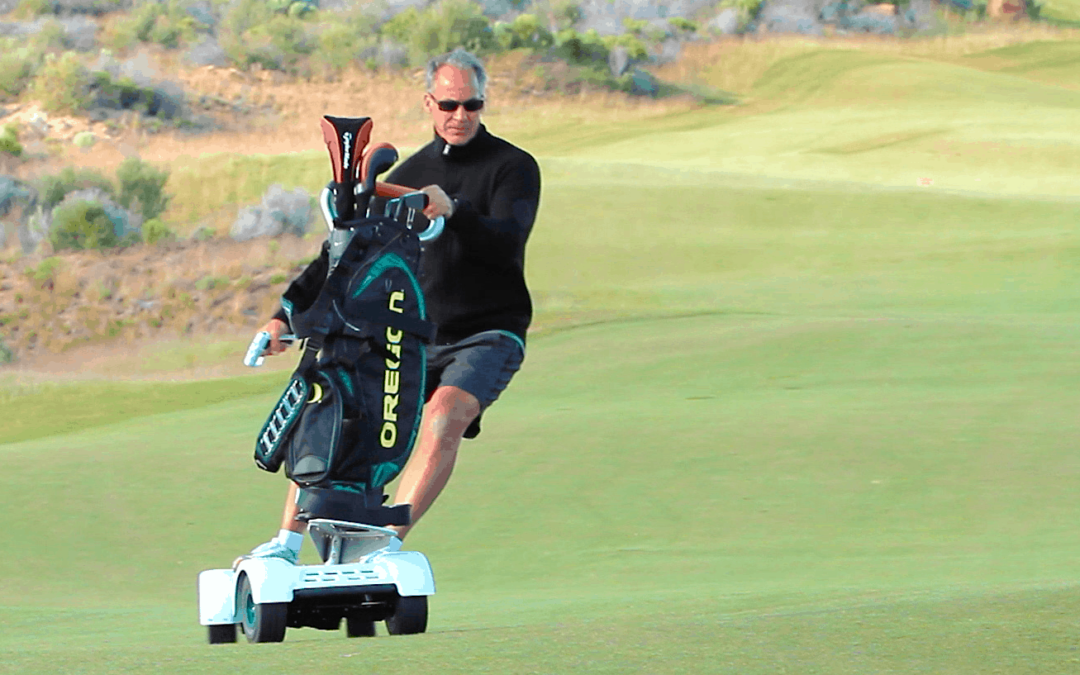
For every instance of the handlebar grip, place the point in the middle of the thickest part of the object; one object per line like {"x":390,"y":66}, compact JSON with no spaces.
{"x":390,"y":190}
{"x":254,"y":356}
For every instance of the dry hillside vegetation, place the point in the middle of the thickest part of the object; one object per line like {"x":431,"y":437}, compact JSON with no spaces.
{"x":216,"y":287}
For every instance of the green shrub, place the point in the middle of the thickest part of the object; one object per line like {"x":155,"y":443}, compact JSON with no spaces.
{"x":155,"y":231}
{"x":685,"y":25}
{"x":46,"y":271}
{"x":62,"y":84}
{"x":244,"y":15}
{"x":165,"y":23}
{"x":9,"y":141}
{"x":120,"y":93}
{"x":441,"y":28}
{"x":31,"y":9}
{"x":634,"y":46}
{"x":566,"y":14}
{"x":586,"y":48}
{"x":281,"y":43}
{"x":203,"y":234}
{"x":340,"y":44}
{"x":53,"y":188}
{"x":747,"y":9}
{"x":16,"y":68}
{"x":84,"y":140}
{"x":50,"y":38}
{"x":6,"y":354}
{"x":82,"y":225}
{"x":530,"y":33}
{"x":142,"y":187}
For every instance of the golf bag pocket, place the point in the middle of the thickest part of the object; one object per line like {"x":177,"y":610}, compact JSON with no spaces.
{"x":315,"y":440}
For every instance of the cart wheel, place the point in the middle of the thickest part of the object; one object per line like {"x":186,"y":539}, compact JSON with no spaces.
{"x":358,"y":626}
{"x":222,"y":633}
{"x":409,"y":617}
{"x":263,"y":622}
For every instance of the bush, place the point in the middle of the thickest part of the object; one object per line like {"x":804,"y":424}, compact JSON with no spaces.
{"x":684,"y":25}
{"x":51,"y":37}
{"x":280,"y":43}
{"x":441,"y":28}
{"x":142,"y":187}
{"x":747,"y":9}
{"x":82,"y":225}
{"x":168,"y":24}
{"x":341,"y":44}
{"x":566,"y":14}
{"x":53,"y":189}
{"x":16,"y":68}
{"x":155,"y":231}
{"x":634,"y":46}
{"x":9,"y":141}
{"x":6,"y":354}
{"x":586,"y":48}
{"x":31,"y":9}
{"x":62,"y":84}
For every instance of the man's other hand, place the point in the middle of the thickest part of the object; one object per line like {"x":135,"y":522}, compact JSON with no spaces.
{"x":439,"y":203}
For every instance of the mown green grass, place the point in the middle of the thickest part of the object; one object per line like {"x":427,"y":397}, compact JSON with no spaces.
{"x":781,"y":413}
{"x":1065,"y":12}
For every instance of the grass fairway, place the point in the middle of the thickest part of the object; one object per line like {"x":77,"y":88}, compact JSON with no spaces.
{"x":771,"y":421}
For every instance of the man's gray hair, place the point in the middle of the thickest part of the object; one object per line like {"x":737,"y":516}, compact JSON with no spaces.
{"x":459,"y":58}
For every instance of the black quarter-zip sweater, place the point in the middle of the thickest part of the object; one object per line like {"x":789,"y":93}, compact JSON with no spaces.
{"x":473,"y":276}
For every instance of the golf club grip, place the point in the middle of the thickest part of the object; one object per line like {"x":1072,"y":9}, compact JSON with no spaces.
{"x":391,"y":190}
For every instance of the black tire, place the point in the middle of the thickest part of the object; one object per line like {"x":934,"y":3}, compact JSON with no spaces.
{"x":409,"y":617}
{"x":261,"y":622}
{"x":358,"y":626}
{"x":221,"y":634}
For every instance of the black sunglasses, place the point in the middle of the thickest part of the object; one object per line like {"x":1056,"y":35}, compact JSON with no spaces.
{"x":472,"y":105}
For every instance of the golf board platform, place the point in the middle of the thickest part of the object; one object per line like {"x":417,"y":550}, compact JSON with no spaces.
{"x":371,"y":582}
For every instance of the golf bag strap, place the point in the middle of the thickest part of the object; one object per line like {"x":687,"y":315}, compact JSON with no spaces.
{"x":312,"y":345}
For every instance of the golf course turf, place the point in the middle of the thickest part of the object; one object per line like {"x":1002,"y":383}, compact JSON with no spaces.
{"x":785,"y":409}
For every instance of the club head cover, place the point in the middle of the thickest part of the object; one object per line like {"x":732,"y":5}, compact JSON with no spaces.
{"x":346,"y":138}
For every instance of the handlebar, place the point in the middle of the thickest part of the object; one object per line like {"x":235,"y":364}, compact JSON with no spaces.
{"x":326,"y":203}
{"x":254,"y":356}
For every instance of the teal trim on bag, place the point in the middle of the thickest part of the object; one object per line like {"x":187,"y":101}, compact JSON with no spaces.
{"x":514,"y":337}
{"x":344,"y":377}
{"x":288,"y":307}
{"x":381,"y":265}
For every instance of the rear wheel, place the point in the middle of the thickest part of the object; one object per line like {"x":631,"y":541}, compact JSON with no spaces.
{"x":221,"y":634}
{"x":262,"y":622}
{"x":409,"y":617}
{"x":359,"y":626}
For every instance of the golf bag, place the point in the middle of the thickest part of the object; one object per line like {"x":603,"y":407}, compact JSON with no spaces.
{"x":349,"y":416}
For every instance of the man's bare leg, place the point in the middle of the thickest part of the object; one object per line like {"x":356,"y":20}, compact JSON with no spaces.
{"x":288,"y":518}
{"x":446,"y":417}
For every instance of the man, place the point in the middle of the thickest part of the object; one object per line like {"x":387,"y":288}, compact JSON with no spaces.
{"x":472,"y":277}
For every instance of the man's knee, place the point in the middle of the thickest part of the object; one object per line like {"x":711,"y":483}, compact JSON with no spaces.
{"x":450,"y":411}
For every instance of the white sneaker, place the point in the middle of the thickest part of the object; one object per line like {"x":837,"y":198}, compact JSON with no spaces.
{"x":271,"y":549}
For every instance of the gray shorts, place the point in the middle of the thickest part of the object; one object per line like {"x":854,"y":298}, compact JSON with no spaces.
{"x":481,"y":364}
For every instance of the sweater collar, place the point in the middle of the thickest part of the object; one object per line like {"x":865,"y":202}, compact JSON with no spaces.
{"x":470,"y":149}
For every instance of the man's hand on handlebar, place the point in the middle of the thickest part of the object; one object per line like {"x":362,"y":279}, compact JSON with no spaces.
{"x":439,"y":203}
{"x":276,"y":328}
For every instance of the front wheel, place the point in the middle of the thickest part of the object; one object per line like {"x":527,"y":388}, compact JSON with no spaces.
{"x":409,"y":617}
{"x":262,"y":622}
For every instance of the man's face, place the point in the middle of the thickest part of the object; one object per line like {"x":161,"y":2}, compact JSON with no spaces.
{"x":453,"y":84}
